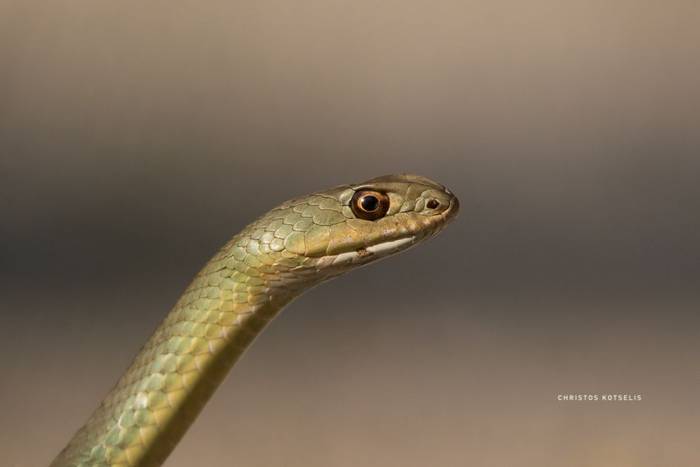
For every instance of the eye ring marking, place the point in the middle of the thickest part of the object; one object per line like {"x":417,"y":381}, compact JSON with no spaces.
{"x":369,"y":205}
{"x":433,"y":204}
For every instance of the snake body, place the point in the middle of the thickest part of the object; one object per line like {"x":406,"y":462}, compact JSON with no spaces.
{"x":293,"y":247}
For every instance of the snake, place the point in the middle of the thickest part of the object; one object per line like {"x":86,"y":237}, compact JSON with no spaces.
{"x":290,"y":249}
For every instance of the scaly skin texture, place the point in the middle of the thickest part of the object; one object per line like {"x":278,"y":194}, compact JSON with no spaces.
{"x":288,"y":250}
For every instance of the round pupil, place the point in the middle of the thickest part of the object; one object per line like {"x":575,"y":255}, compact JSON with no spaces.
{"x":369,"y":203}
{"x":433,"y":204}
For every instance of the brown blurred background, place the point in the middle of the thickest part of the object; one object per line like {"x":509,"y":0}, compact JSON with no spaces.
{"x":137,"y":137}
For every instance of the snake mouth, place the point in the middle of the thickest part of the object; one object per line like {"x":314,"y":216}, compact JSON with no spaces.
{"x":370,"y":253}
{"x":392,"y":246}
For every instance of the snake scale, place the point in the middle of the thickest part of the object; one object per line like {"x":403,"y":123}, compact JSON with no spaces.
{"x":288,"y":250}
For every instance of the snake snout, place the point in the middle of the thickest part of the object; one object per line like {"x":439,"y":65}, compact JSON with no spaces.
{"x":452,"y":211}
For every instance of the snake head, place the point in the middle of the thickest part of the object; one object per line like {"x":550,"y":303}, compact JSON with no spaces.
{"x":315,"y":237}
{"x":329,"y":232}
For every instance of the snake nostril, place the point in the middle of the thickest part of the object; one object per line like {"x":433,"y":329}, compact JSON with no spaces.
{"x":433,"y":204}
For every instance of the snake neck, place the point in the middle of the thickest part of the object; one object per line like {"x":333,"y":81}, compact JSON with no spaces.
{"x":153,"y":404}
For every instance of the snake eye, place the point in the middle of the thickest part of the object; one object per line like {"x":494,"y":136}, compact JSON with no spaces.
{"x":369,"y":205}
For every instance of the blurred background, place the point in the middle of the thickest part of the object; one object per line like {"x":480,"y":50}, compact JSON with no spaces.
{"x":136,"y":138}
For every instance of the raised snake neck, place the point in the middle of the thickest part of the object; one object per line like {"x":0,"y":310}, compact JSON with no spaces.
{"x":283,"y":253}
